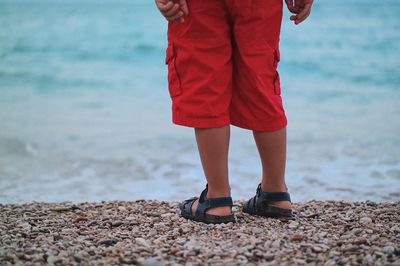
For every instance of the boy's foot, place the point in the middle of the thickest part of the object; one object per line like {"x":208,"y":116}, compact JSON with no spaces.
{"x":269,"y":204}
{"x":280,"y":204}
{"x":225,"y":210}
{"x":208,"y":210}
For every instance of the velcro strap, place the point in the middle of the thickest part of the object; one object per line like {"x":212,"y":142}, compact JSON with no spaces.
{"x":202,"y":207}
{"x":275,"y":196}
{"x":219,"y":202}
{"x":205,"y":203}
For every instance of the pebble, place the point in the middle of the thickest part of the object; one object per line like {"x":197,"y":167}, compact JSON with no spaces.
{"x":269,"y":257}
{"x":53,"y":260}
{"x":293,"y":225}
{"x":122,"y":209}
{"x":276,"y":244}
{"x":316,"y":249}
{"x":67,"y":230}
{"x":151,"y":262}
{"x":106,"y":242}
{"x":389,"y":249}
{"x":143,"y":242}
{"x":117,"y":223}
{"x":151,"y":232}
{"x":134,"y":222}
{"x":365,"y":220}
{"x":56,"y":237}
{"x":360,"y":241}
{"x":78,"y":258}
{"x":257,"y":230}
{"x":52,"y":252}
{"x":186,"y":229}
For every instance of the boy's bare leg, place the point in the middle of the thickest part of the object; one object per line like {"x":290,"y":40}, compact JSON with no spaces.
{"x":272,"y":149}
{"x":213,"y":146}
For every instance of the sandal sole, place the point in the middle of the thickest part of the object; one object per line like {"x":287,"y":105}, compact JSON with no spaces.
{"x":209,"y":219}
{"x":270,"y":215}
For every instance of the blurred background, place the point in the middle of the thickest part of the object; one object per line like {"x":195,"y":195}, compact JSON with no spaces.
{"x":85,"y":111}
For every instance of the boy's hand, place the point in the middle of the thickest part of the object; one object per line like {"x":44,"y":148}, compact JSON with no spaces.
{"x":173,"y":11}
{"x":301,"y":9}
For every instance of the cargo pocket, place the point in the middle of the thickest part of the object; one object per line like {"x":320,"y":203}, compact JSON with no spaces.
{"x":174,"y":82}
{"x":277,"y":82}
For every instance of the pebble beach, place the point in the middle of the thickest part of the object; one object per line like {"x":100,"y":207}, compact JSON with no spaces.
{"x":152,"y":232}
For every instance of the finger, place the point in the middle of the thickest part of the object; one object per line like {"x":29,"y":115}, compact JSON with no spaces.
{"x":303,"y":14}
{"x":172,"y":11}
{"x":292,"y":8}
{"x":175,"y":16}
{"x":184,"y":7}
{"x":295,"y":10}
{"x":158,"y":2}
{"x":165,"y":6}
{"x":289,"y":4}
{"x":298,"y":6}
{"x":302,"y":19}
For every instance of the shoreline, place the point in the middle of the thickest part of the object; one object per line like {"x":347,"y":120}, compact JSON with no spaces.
{"x":152,"y":232}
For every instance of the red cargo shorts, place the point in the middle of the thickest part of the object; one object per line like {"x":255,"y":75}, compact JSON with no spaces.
{"x":222,"y":65}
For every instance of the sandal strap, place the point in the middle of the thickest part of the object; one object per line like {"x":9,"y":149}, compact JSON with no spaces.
{"x":275,"y":196}
{"x":187,"y":204}
{"x":272,"y":196}
{"x":205,"y":203}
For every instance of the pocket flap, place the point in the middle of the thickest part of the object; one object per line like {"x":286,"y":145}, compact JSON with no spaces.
{"x":169,"y":53}
{"x":277,"y":55}
{"x":277,"y":84}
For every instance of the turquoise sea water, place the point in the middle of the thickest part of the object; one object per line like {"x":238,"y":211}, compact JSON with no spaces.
{"x":85,"y":111}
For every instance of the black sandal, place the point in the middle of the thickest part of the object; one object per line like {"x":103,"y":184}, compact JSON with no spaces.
{"x":260,"y":205}
{"x":204,"y":204}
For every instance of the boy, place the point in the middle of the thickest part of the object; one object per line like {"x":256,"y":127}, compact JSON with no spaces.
{"x":222,"y":59}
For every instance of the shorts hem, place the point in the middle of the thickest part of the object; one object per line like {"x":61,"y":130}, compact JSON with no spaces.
{"x":197,"y":122}
{"x":261,"y":125}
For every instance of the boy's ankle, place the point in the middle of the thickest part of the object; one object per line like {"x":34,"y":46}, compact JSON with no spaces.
{"x":268,"y":187}
{"x":211,"y":193}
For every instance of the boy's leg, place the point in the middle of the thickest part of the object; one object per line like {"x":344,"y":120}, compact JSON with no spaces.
{"x":200,"y":82}
{"x":272,"y":149}
{"x":256,"y":96}
{"x":213,"y":146}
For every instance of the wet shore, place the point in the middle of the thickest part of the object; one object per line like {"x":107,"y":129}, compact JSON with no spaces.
{"x":150,"y":232}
